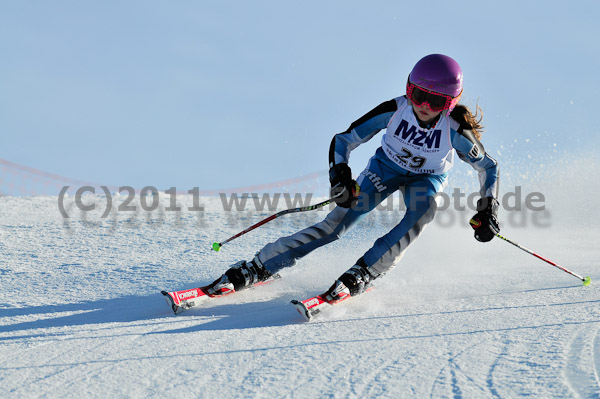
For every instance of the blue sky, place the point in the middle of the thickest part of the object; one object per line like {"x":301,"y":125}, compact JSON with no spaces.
{"x":220,"y":94}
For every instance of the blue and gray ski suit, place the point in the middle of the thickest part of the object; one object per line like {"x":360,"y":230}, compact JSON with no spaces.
{"x":412,"y":159}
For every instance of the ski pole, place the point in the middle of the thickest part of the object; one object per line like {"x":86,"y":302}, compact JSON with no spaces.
{"x":217,"y":245}
{"x":586,"y":280}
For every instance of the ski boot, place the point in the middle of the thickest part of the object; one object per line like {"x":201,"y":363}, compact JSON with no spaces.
{"x":354,"y":281}
{"x":240,"y":276}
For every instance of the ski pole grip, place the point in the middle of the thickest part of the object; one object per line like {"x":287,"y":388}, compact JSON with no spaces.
{"x":475,"y":223}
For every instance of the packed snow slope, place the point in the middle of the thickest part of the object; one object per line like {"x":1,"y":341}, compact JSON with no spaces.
{"x":81,"y":314}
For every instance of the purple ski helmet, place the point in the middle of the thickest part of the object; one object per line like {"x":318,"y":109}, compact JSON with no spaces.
{"x":438,"y":73}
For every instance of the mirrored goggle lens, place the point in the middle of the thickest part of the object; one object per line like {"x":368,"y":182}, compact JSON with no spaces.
{"x":436,"y":102}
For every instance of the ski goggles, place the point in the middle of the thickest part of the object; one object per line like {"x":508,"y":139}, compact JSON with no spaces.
{"x":435,"y":101}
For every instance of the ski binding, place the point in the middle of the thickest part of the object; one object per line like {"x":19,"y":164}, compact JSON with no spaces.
{"x":182,"y":300}
{"x":311,"y":307}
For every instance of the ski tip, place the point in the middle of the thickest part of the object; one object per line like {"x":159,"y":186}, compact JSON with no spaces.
{"x":304,"y":312}
{"x":169,"y":300}
{"x":587,"y":281}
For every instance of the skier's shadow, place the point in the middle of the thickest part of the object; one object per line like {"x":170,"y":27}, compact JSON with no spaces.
{"x":150,"y":310}
{"x":235,"y":316}
{"x":117,"y":310}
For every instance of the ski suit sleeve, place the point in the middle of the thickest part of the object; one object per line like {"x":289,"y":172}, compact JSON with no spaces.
{"x":471,"y":151}
{"x":360,"y":131}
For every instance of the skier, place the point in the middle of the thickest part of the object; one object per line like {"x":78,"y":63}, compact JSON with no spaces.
{"x":423,"y":130}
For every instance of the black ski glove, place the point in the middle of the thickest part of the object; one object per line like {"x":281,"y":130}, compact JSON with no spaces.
{"x":485,"y":221}
{"x":343,"y":187}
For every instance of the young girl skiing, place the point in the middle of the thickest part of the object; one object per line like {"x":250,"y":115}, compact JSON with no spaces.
{"x":425,"y":128}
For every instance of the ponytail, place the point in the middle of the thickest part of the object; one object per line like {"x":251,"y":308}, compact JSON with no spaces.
{"x":467,"y":120}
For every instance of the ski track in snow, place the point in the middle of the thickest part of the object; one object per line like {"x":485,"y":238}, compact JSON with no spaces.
{"x":81,"y":314}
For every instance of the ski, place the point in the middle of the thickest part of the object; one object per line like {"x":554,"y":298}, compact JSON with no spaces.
{"x":186,"y":299}
{"x":310,"y":307}
{"x":182,"y":300}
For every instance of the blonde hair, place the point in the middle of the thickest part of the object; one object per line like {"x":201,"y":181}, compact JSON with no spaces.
{"x":467,"y":120}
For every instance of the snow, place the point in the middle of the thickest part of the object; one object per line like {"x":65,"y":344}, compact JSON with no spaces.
{"x":82,"y":316}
